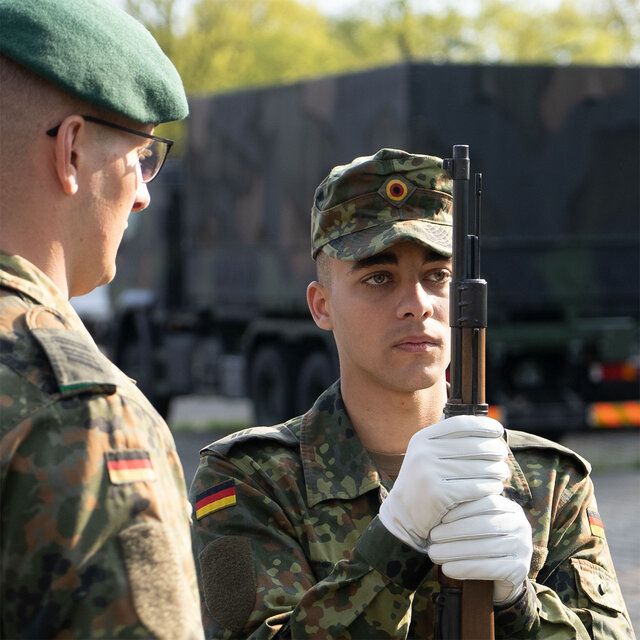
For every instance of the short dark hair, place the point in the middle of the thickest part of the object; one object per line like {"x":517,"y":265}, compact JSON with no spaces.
{"x":323,"y":271}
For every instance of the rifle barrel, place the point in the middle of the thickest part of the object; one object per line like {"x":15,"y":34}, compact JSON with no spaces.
{"x":468,"y":320}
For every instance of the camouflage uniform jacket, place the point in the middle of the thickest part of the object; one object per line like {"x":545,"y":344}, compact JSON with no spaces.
{"x":95,"y":533}
{"x":289,"y":545}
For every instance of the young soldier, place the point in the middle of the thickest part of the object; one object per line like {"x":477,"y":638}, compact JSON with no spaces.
{"x":95,"y":536}
{"x":331,"y":524}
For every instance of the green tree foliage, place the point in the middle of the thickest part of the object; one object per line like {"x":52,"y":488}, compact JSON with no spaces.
{"x":568,"y":35}
{"x":219,"y":45}
{"x":227,"y":44}
{"x":575,"y":32}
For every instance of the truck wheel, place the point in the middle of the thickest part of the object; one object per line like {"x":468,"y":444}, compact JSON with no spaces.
{"x":270,"y":385}
{"x":315,"y":375}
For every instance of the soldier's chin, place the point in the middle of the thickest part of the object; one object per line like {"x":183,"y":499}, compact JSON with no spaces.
{"x":85,"y":287}
{"x":418,"y":382}
{"x":107,"y":276}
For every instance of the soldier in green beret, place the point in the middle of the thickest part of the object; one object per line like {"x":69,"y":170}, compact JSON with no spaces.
{"x":332,"y":524}
{"x":95,"y":529}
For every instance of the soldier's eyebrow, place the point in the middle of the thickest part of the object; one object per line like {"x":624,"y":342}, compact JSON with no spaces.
{"x":384,"y":257}
{"x":433,"y":256}
{"x":389,"y":257}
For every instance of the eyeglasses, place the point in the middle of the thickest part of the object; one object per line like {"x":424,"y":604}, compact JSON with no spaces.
{"x":151,"y":158}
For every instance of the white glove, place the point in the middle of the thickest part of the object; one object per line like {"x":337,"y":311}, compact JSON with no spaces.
{"x":453,"y":461}
{"x":488,"y":539}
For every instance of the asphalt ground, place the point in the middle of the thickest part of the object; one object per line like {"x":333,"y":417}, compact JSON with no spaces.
{"x":614,"y":455}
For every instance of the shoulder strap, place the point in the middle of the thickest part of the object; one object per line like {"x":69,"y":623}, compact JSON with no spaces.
{"x":518,"y":440}
{"x":77,"y":363}
{"x":281,"y":434}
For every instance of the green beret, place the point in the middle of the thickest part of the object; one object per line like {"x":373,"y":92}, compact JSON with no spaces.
{"x":96,"y":52}
{"x":375,"y":201}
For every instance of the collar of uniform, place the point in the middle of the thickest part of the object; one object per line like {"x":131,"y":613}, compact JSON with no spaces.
{"x":334,"y":462}
{"x":516,"y":487}
{"x":20,"y":275}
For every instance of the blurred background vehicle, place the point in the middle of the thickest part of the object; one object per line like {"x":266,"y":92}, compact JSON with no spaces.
{"x":210,"y":292}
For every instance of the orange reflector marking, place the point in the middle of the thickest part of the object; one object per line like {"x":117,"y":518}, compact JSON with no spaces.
{"x":609,"y":415}
{"x":633,"y":409}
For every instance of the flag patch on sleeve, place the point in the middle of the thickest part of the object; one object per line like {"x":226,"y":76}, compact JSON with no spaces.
{"x":595,"y":523}
{"x":133,"y":465}
{"x":216,"y":498}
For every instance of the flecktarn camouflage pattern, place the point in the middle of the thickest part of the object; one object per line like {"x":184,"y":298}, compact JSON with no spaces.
{"x":363,"y":207}
{"x":299,"y":550}
{"x":95,"y":538}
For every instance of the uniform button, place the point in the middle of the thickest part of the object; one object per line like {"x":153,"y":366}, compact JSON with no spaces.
{"x":601,"y":589}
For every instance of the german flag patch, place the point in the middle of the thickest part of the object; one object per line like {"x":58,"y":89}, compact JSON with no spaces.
{"x":595,"y":523}
{"x":132,"y":465}
{"x":219,"y":497}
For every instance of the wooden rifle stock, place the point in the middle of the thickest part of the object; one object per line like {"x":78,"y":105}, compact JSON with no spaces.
{"x":468,"y":616}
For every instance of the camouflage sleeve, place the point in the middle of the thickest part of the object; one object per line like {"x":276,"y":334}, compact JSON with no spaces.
{"x":256,"y":580}
{"x":576,"y":594}
{"x":88,"y":546}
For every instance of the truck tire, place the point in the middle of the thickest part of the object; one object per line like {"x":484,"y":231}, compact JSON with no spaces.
{"x":270,"y":384}
{"x":315,"y":375}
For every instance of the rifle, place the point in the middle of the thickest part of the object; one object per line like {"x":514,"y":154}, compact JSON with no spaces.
{"x":466,"y":608}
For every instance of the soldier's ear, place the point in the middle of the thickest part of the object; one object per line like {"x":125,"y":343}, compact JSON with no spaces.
{"x":319,"y":302}
{"x":66,"y":153}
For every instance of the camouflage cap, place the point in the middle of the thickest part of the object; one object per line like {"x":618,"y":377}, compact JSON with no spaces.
{"x":375,"y":201}
{"x":96,"y":52}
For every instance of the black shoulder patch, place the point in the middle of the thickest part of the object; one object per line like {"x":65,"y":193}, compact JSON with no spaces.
{"x":77,"y":364}
{"x":227,"y":567}
{"x":281,"y":434}
{"x":521,"y":440}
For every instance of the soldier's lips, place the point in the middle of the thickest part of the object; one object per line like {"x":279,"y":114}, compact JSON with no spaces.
{"x":417,"y":344}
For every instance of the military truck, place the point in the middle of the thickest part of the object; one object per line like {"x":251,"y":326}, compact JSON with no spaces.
{"x":211,"y":289}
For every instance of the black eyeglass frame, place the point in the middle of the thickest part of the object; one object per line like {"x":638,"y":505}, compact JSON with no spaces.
{"x":53,"y":132}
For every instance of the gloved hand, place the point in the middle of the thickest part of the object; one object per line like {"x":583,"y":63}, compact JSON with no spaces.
{"x":488,"y":539}
{"x":453,"y":461}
